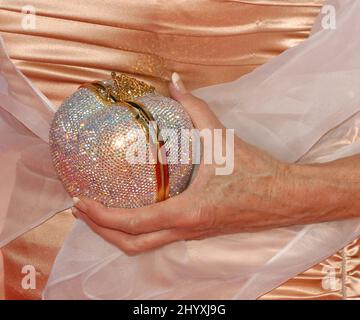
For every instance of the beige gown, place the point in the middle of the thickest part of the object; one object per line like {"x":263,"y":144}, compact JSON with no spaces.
{"x":207,"y":42}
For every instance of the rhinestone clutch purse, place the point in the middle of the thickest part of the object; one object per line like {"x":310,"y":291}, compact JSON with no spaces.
{"x":121,"y":143}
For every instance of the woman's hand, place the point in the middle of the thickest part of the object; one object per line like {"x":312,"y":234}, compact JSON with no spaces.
{"x":261,"y":193}
{"x":212,"y":204}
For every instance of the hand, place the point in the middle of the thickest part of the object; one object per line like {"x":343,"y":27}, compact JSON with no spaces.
{"x":212,"y":205}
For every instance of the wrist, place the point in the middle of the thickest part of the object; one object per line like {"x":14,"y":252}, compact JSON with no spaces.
{"x":319,"y":193}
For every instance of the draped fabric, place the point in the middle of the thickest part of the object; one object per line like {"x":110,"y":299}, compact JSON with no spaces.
{"x":303,"y":99}
{"x":104,"y":258}
{"x":207,"y":42}
{"x":336,"y":278}
{"x":83,"y":40}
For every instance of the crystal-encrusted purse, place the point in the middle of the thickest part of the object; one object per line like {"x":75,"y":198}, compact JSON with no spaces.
{"x":121,"y":143}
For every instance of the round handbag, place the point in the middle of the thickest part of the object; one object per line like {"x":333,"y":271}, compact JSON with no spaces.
{"x":119,"y":142}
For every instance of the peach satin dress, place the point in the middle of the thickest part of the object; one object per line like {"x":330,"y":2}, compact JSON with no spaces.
{"x":207,"y":42}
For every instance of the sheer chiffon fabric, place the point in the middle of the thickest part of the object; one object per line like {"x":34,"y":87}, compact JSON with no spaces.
{"x":301,"y":106}
{"x":29,"y":189}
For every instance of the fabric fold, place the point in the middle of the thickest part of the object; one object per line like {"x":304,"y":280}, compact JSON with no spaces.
{"x":301,"y":106}
{"x":30,"y":191}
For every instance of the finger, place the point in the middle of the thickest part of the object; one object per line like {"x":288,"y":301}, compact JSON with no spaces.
{"x":131,"y":244}
{"x":167,"y":214}
{"x":199,"y":111}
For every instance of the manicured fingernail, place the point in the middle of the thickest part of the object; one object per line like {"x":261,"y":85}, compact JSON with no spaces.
{"x":75,"y":200}
{"x":178,"y":83}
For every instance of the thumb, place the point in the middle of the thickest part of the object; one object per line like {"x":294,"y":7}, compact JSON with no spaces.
{"x":199,"y":111}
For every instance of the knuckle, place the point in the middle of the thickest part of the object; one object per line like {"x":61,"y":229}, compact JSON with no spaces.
{"x":133,"y":226}
{"x":127,"y":223}
{"x":198,"y":103}
{"x":130,"y":249}
{"x":94,"y":226}
{"x":131,"y":252}
{"x":191,"y":218}
{"x":201,"y":103}
{"x":96,"y":216}
{"x":193,"y":100}
{"x":205,"y":218}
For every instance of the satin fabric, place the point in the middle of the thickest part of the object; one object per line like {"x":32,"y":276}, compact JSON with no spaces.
{"x":272,"y":2}
{"x":2,"y":280}
{"x":79,"y":41}
{"x":82,"y":40}
{"x":37,"y":247}
{"x":336,"y":278}
{"x":298,"y":289}
{"x":305,"y":93}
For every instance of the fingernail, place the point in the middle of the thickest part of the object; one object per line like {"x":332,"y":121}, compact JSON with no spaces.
{"x":74,"y":212}
{"x":178,"y":83}
{"x":75,"y":200}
